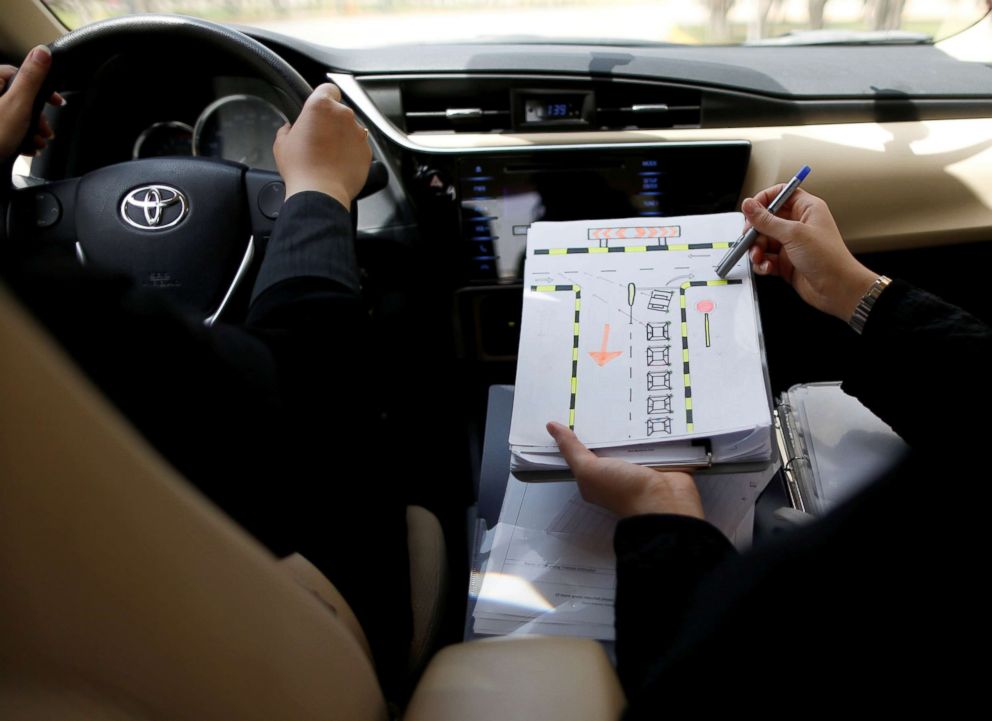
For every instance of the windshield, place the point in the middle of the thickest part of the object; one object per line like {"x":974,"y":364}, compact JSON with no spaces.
{"x":371,"y":23}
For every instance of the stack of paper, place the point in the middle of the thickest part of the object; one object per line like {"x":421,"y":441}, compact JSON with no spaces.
{"x":548,"y":566}
{"x":630,"y":338}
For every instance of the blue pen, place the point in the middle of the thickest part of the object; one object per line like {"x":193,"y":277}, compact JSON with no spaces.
{"x":739,"y":248}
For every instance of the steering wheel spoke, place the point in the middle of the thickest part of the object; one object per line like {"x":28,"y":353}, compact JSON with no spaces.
{"x":265,"y":192}
{"x":43,"y":213}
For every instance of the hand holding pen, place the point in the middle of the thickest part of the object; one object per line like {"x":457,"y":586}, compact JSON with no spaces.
{"x":803,"y":245}
{"x":743,"y":244}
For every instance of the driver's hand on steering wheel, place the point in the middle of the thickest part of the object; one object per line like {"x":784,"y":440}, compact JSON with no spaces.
{"x":16,"y":103}
{"x":325,"y":149}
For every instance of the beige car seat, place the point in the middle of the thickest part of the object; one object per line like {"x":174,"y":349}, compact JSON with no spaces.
{"x":124,"y":593}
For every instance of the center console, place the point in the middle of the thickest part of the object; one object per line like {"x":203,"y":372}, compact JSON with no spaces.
{"x":475,"y":209}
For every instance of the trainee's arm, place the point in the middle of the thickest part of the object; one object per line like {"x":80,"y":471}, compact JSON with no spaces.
{"x":664,"y":550}
{"x":921,"y":364}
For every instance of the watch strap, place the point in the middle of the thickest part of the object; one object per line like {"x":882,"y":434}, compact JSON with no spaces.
{"x":860,"y":315}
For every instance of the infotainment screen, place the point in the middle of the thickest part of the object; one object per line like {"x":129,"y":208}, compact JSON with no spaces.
{"x":501,"y":195}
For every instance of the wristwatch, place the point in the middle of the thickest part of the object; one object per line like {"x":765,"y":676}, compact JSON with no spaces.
{"x":867,"y":301}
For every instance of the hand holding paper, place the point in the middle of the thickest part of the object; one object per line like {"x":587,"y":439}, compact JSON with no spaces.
{"x":624,"y":488}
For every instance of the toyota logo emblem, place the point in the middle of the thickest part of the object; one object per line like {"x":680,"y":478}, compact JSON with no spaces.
{"x":154,"y":207}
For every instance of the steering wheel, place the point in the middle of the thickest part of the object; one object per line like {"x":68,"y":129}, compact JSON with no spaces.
{"x":187,"y":226}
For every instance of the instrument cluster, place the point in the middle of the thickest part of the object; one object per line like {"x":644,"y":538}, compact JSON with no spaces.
{"x":238,"y":127}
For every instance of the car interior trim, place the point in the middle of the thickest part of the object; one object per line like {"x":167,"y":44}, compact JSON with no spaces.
{"x":939,"y":170}
{"x":238,"y":277}
{"x":531,"y":141}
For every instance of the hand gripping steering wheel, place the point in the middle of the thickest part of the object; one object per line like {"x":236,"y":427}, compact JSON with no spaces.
{"x":187,"y":226}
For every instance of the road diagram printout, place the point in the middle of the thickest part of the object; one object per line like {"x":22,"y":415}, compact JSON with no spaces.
{"x":629,"y":336}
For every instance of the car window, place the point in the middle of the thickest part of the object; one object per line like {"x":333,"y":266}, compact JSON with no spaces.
{"x":370,"y":23}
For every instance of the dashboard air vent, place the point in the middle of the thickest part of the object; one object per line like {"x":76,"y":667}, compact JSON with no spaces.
{"x":630,"y":105}
{"x":455,"y":105}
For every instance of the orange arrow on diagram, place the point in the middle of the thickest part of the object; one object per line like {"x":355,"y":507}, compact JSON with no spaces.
{"x":603,"y":356}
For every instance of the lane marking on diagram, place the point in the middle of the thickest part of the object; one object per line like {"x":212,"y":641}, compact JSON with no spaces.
{"x":574,"y":384}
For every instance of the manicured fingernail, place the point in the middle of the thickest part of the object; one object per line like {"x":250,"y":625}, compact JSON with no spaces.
{"x":41,"y":55}
{"x":765,"y":266}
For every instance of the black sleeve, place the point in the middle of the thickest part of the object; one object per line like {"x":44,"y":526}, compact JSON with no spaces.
{"x":922,"y":365}
{"x":661,"y":560}
{"x":313,"y":239}
{"x":348,"y":510}
{"x":308,"y":311}
{"x":699,"y":627}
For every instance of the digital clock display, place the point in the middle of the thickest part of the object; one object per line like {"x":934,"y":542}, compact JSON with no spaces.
{"x":553,"y":108}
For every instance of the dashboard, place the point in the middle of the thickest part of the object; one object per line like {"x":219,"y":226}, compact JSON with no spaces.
{"x":909,"y":132}
{"x":905,"y":128}
{"x":481,"y":140}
